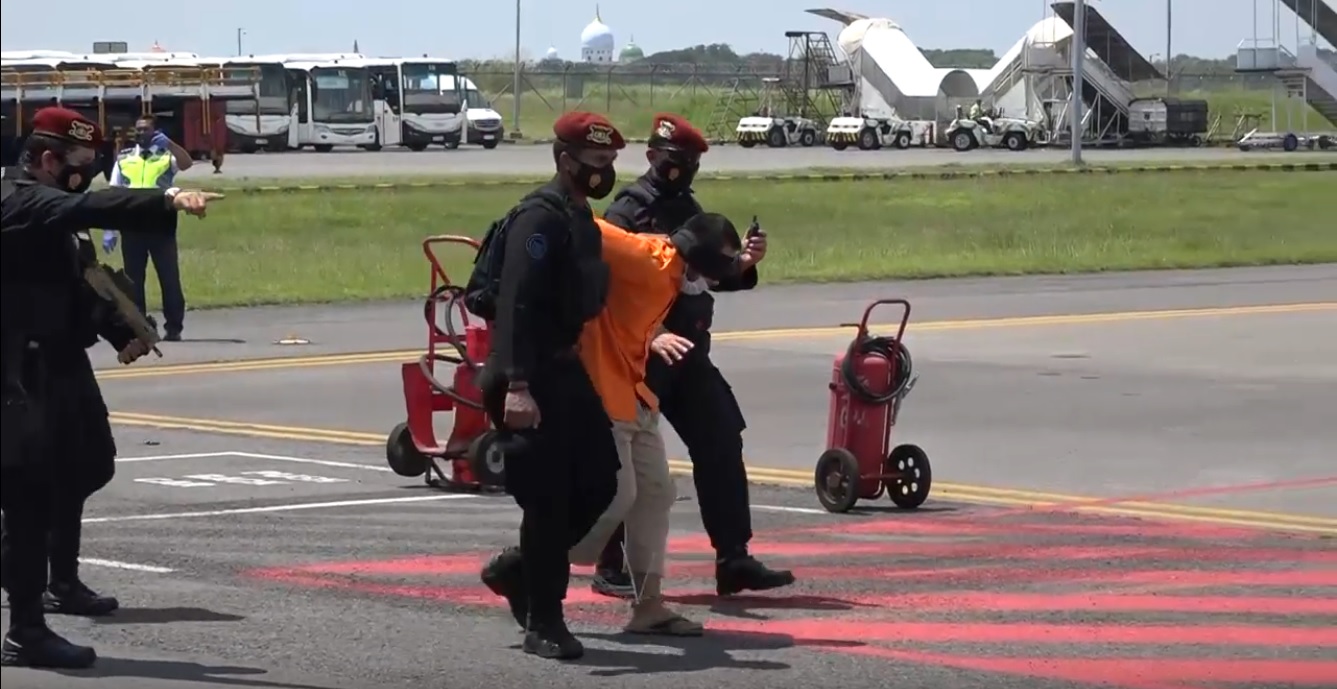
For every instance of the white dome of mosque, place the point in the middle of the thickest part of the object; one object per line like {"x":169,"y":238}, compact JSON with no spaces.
{"x":597,"y":36}
{"x":551,"y":54}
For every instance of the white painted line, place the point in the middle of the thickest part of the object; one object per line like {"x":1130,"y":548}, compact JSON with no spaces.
{"x":791,"y":510}
{"x":253,"y":455}
{"x":116,"y":564}
{"x":275,"y":508}
{"x":159,"y":458}
{"x":317,"y":462}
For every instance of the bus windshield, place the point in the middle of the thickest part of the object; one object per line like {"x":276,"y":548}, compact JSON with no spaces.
{"x":422,"y":88}
{"x":273,"y":98}
{"x":340,"y":94}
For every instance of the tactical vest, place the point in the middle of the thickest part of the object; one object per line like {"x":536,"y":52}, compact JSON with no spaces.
{"x":151,"y":172}
{"x":667,"y":213}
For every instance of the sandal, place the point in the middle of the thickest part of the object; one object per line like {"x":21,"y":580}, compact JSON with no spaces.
{"x":675,"y":625}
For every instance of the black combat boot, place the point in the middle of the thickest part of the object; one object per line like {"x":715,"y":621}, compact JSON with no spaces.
{"x":30,"y":643}
{"x":548,"y":637}
{"x":613,"y":583}
{"x":610,"y":573}
{"x":73,"y":597}
{"x":738,"y":572}
{"x":504,"y":575}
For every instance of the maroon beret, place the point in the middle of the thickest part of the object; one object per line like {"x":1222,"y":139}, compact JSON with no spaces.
{"x":66,"y":125}
{"x":674,"y":131}
{"x":588,"y":130}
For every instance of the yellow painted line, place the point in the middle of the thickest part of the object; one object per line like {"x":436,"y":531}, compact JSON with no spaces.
{"x":792,"y":477}
{"x":398,"y":356}
{"x":1088,"y":503}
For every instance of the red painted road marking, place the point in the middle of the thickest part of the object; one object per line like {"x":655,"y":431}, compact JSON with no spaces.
{"x":1032,"y":633}
{"x":924,"y":587}
{"x":1132,"y":673}
{"x":977,"y":601}
{"x":470,"y":564}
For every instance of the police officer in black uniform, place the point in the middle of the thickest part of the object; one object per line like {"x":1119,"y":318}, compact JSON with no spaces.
{"x":539,"y":277}
{"x":693,"y":394}
{"x":52,"y":408}
{"x":91,"y":448}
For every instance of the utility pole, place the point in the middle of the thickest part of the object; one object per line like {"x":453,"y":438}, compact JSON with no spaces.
{"x":1169,"y":47}
{"x":515,"y":77}
{"x":240,"y":32}
{"x":1078,"y":83}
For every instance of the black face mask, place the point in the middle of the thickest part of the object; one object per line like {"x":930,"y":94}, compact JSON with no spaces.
{"x":598,"y":182}
{"x":145,"y":140}
{"x":673,"y":175}
{"x":76,"y":178}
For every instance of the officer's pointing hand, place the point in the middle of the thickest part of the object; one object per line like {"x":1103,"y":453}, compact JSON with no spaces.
{"x":194,"y":202}
{"x":520,"y":413}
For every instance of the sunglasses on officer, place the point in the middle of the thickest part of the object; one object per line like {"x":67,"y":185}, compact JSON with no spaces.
{"x":672,"y":156}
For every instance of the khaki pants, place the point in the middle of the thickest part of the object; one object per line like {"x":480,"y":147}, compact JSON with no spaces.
{"x":645,"y":494}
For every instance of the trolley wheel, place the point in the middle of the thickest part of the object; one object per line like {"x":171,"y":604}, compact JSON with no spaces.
{"x":486,"y":460}
{"x":402,"y":455}
{"x":915,"y":476}
{"x":837,"y":480}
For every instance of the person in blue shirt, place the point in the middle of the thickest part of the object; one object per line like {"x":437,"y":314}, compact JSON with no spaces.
{"x":153,"y":162}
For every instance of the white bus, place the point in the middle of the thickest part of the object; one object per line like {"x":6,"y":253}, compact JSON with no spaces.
{"x":412,"y":110}
{"x":261,"y":122}
{"x":330,"y":104}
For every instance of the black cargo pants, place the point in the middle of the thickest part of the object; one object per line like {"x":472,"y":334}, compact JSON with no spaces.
{"x":563,"y":474}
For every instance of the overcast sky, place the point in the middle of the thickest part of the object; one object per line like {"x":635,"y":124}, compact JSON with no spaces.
{"x":1209,"y":28}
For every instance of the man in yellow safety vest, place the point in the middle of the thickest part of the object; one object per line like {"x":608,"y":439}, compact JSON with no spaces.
{"x":153,"y":162}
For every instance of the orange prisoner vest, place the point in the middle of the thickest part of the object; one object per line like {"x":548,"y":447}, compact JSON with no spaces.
{"x":645,"y":275}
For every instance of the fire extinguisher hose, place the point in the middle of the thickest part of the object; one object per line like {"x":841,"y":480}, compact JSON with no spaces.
{"x":445,"y":296}
{"x":894,"y":351}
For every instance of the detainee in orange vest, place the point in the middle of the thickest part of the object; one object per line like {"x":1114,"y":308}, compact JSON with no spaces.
{"x":646,"y":273}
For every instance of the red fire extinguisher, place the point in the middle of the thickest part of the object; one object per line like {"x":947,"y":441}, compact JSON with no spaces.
{"x":869,"y":381}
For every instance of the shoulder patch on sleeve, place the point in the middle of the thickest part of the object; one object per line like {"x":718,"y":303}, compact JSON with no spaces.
{"x":536,"y":246}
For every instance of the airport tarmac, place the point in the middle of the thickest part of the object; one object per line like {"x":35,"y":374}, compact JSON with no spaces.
{"x":279,"y":564}
{"x":1134,"y":487}
{"x":537,"y":160}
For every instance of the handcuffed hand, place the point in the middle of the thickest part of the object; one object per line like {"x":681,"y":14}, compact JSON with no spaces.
{"x":194,"y":202}
{"x":521,"y":412}
{"x":671,"y":348}
{"x":132,"y":352}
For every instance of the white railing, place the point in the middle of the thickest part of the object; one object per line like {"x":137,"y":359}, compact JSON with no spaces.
{"x":1322,"y":76}
{"x":1262,"y":55}
{"x":1105,"y":80}
{"x":1005,"y":80}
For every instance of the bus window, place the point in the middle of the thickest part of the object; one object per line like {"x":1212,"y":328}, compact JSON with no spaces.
{"x":341,"y":94}
{"x":422,"y":93}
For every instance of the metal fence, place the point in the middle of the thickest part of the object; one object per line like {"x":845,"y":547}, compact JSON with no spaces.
{"x":560,"y":88}
{"x":695,"y":90}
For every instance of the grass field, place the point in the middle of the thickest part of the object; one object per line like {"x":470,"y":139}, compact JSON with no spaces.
{"x":360,"y":245}
{"x":632,"y":106}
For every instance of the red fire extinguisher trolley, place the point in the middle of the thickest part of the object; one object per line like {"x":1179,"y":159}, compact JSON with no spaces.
{"x":469,"y":459}
{"x":869,"y":381}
